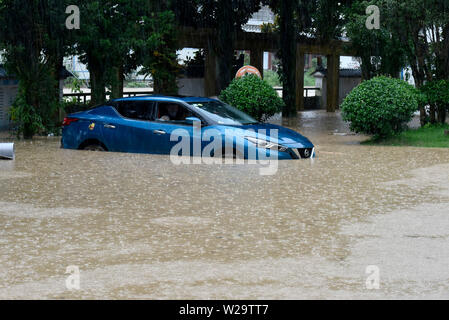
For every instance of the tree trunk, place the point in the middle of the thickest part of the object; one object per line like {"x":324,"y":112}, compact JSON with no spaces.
{"x":98,"y":85}
{"x":288,"y":57}
{"x":366,"y":68}
{"x":416,"y":56}
{"x":442,"y":115}
{"x":117,"y":83}
{"x":57,"y":66}
{"x":122,"y":81}
{"x":97,"y":82}
{"x":433,"y":110}
{"x":419,"y":81}
{"x":225,"y":44}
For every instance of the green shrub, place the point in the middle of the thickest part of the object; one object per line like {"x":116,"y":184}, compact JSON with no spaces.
{"x":25,"y":116}
{"x":436,"y":94}
{"x":381,"y":106}
{"x":272,"y":78}
{"x":254,"y":96}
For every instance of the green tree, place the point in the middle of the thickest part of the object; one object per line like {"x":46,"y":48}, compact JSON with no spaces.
{"x":328,"y":18}
{"x":414,"y":33}
{"x":293,"y":18}
{"x":118,"y":36}
{"x":59,"y":41}
{"x":27,"y":35}
{"x":424,"y":27}
{"x":380,"y":50}
{"x":157,"y":51}
{"x":109,"y":32}
{"x":436,"y":94}
{"x":227,"y":18}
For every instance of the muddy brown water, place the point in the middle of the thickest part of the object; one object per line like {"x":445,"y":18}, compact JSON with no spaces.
{"x":138,"y":226}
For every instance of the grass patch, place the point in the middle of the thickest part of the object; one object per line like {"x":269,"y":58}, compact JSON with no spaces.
{"x":430,"y":136}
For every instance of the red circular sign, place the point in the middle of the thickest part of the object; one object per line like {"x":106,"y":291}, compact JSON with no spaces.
{"x":248,"y":70}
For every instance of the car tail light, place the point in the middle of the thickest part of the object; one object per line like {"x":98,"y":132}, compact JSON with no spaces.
{"x":68,"y":121}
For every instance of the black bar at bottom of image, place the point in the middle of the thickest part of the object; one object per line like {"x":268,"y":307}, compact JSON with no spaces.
{"x":213,"y":309}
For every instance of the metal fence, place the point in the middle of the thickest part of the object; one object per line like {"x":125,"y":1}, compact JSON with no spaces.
{"x":85,"y":97}
{"x":306,"y":90}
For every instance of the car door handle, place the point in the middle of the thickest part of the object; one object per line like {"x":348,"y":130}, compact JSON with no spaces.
{"x":159,"y":132}
{"x":109,"y":126}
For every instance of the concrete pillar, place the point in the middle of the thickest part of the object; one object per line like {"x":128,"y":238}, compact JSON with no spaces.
{"x":256,"y":57}
{"x":210,"y":74}
{"x":300,"y":61}
{"x":333,"y":82}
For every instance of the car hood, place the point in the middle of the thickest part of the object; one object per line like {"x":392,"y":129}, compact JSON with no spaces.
{"x":286,"y":137}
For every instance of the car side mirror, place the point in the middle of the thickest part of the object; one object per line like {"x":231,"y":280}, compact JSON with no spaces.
{"x":192,"y":120}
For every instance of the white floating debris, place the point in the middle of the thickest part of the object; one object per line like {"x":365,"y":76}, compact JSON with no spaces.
{"x":7,"y":151}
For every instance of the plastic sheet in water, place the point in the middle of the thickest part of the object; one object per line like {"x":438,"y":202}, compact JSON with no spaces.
{"x":6,"y":151}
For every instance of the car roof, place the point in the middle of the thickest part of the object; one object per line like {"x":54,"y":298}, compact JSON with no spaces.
{"x":166,"y":98}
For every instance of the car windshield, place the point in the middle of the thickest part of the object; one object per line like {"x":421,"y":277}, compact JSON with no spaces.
{"x":223,"y":113}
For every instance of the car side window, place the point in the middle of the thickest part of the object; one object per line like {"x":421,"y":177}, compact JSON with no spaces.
{"x":136,"y":110}
{"x":173,"y":113}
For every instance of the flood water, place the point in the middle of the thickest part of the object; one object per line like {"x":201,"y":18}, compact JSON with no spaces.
{"x":139,"y":227}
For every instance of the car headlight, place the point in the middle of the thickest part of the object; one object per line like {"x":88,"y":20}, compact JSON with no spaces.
{"x":264,"y":144}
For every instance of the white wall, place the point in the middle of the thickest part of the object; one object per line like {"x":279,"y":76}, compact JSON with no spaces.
{"x":347,"y":62}
{"x":345,"y":87}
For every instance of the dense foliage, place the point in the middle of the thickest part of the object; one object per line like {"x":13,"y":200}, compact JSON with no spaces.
{"x":381,"y":106}
{"x":413,"y":33}
{"x":115,"y":38}
{"x":227,"y":18}
{"x":157,"y":51}
{"x":27,"y":35}
{"x":120,"y":37}
{"x":126,"y":35}
{"x":436,"y":94}
{"x":321,"y":19}
{"x":253,"y":96}
{"x":380,"y":50}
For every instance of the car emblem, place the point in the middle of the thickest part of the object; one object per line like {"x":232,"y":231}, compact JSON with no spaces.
{"x":92,"y":126}
{"x":307,"y":153}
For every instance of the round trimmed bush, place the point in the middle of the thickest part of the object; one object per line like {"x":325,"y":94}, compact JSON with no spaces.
{"x":381,"y":106}
{"x":253,"y":96}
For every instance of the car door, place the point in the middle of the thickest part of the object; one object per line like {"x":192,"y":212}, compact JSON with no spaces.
{"x":132,"y":131}
{"x":163,"y":131}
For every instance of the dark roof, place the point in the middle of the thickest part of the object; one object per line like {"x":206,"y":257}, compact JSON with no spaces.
{"x":63,"y":74}
{"x":344,"y":73}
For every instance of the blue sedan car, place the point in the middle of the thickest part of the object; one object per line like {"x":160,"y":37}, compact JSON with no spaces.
{"x":148,"y":125}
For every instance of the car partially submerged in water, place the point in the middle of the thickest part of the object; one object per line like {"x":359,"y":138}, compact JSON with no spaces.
{"x":155,"y":124}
